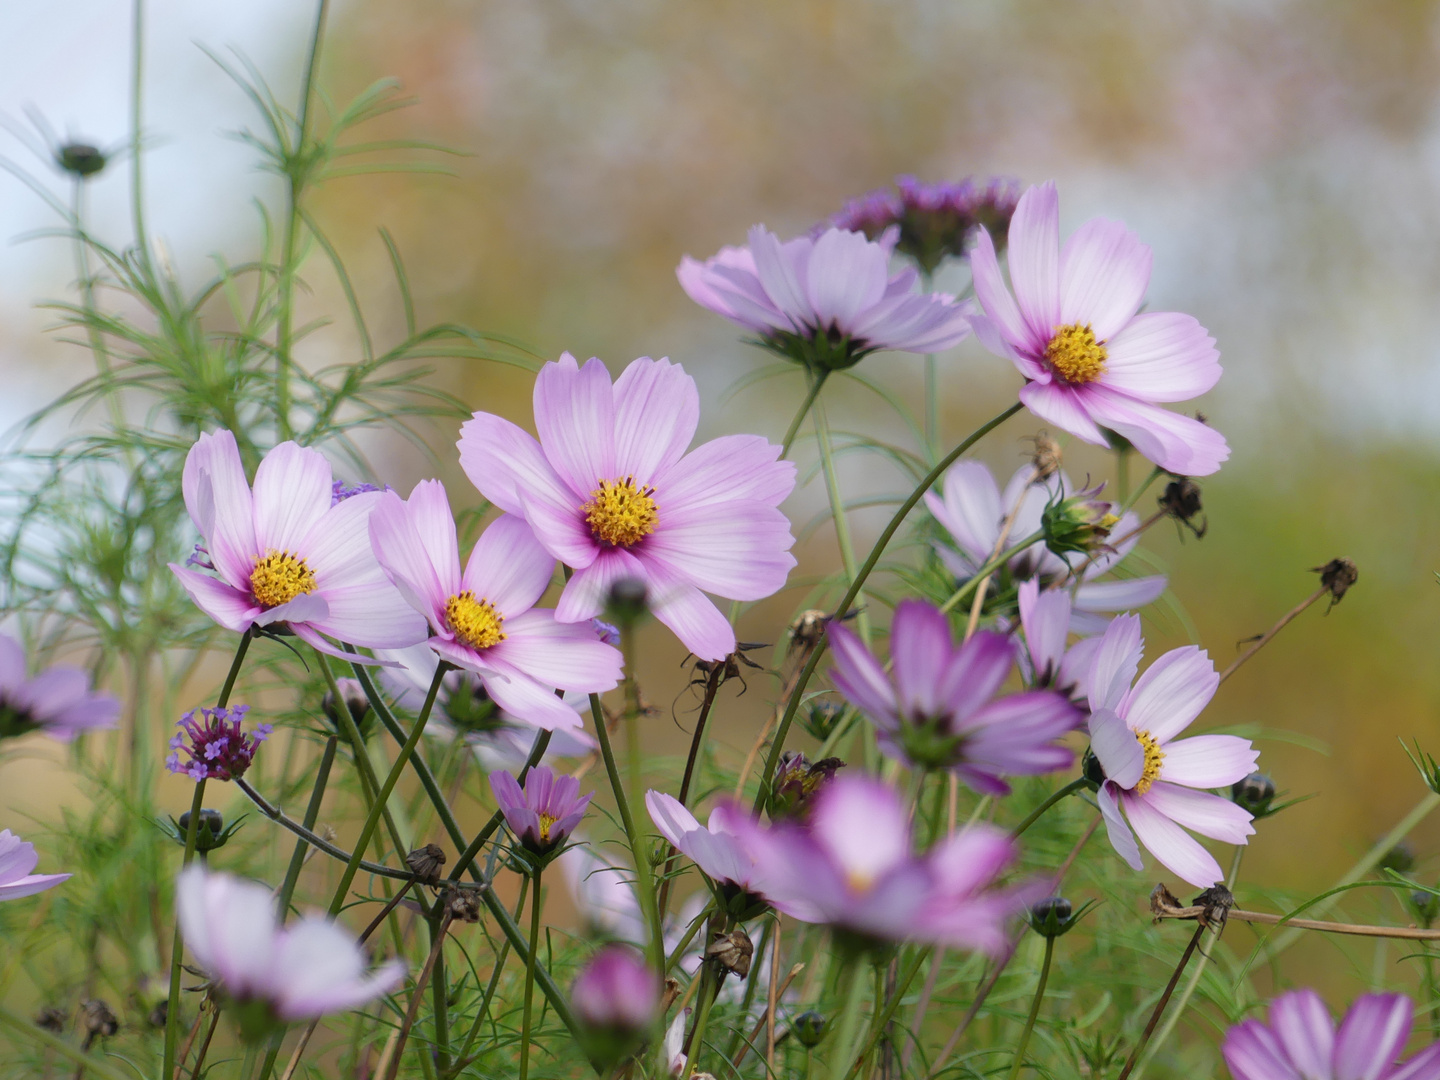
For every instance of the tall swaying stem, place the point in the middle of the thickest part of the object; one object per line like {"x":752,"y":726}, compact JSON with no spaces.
{"x":843,"y":1049}
{"x":712,"y":687}
{"x":1164,"y":999}
{"x":417,"y":995}
{"x":1283,"y":622}
{"x":177,"y":946}
{"x":837,"y":515}
{"x":137,"y":100}
{"x":978,"y":604}
{"x":1020,"y":1047}
{"x":816,"y":382}
{"x":793,"y":705}
{"x":525,"y":1034}
{"x":1035,"y":815}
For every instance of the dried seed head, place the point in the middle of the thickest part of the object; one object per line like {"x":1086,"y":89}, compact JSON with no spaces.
{"x":1337,"y":576}
{"x":1047,"y":456}
{"x":732,"y":952}
{"x":1181,"y":500}
{"x":425,"y":863}
{"x":97,"y":1018}
{"x":51,"y":1019}
{"x":462,"y":905}
{"x":80,"y":159}
{"x":808,"y":629}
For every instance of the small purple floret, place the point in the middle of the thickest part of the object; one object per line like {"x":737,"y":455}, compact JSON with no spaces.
{"x":339,"y":492}
{"x":200,"y":557}
{"x":217,"y":748}
{"x":932,"y":222}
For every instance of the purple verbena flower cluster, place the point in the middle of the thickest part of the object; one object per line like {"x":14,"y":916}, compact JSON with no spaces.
{"x":216,"y":746}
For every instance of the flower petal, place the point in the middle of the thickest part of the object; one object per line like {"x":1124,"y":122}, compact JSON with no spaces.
{"x":920,"y":654}
{"x":509,"y":567}
{"x":725,"y":471}
{"x":1114,"y":744}
{"x":1253,"y":1053}
{"x":587,"y":592}
{"x":1208,"y":761}
{"x":857,"y":674}
{"x":220,"y":504}
{"x":1035,"y":259}
{"x":564,"y":655}
{"x":1104,"y":272}
{"x":1207,"y":814}
{"x":1302,"y":1025}
{"x":1045,"y":618}
{"x":1002,"y":315}
{"x":1171,"y":845}
{"x":970,"y":510}
{"x":845,"y":275}
{"x":1162,"y":356}
{"x":1171,"y":693}
{"x":1116,"y":662}
{"x":1127,"y":595}
{"x":1177,"y":443}
{"x":693,"y":618}
{"x":1371,"y":1036}
{"x":228,"y":606}
{"x":293,"y":489}
{"x":524,"y":698}
{"x":428,"y":509}
{"x":738,"y":550}
{"x":1065,"y":406}
{"x":657,"y":409}
{"x":503,"y":461}
{"x":863,"y":827}
{"x":407,"y":561}
{"x":1121,"y":838}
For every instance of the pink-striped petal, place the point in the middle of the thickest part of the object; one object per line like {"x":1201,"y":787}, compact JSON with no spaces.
{"x":775,"y":265}
{"x":1172,"y":846}
{"x":1175,"y":442}
{"x":564,"y":655}
{"x":305,"y":608}
{"x":738,"y":550}
{"x":407,"y":561}
{"x":526,"y":699}
{"x":228,"y":606}
{"x":373,"y":615}
{"x":1115,"y":746}
{"x":292,"y":493}
{"x":724,"y":471}
{"x":859,"y":676}
{"x":561,"y":530}
{"x":1045,"y":618}
{"x":575,"y":419}
{"x":1208,"y":761}
{"x":975,"y":672}
{"x":1035,"y":259}
{"x":1126,"y":595}
{"x":1116,"y":662}
{"x":220,"y":504}
{"x":970,"y":510}
{"x":1171,"y":693}
{"x":428,"y":509}
{"x":502,"y":461}
{"x":1121,"y":838}
{"x":1371,"y":1036}
{"x":1253,"y":1053}
{"x":1423,"y":1066}
{"x":509,"y":567}
{"x":1067,"y":407}
{"x":29,"y":886}
{"x":588,"y":590}
{"x":1303,"y":1027}
{"x":863,"y":827}
{"x":846,"y":274}
{"x":1104,"y":272}
{"x":690,"y":615}
{"x":1162,"y":356}
{"x":1202,"y":812}
{"x":657,"y":409}
{"x":920,"y":653}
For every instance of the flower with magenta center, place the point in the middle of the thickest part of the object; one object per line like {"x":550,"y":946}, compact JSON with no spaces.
{"x":483,"y":619}
{"x":610,"y":491}
{"x":58,"y":701}
{"x":1158,"y":780}
{"x":1300,"y":1042}
{"x":1090,"y":361}
{"x":17,"y":869}
{"x":939,"y":711}
{"x":289,"y":552}
{"x":544,"y":812}
{"x":826,"y":302}
{"x":217,"y":748}
{"x":272,"y":975}
{"x":935,"y":221}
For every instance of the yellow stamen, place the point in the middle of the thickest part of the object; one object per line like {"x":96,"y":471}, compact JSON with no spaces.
{"x":475,"y":622}
{"x":545,"y":822}
{"x":1153,"y":757}
{"x":280,"y":577}
{"x":621,"y":514}
{"x":1075,"y":354}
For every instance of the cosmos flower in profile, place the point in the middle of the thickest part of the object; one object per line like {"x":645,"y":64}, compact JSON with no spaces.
{"x":827,"y":301}
{"x":58,"y":701}
{"x":723,"y":849}
{"x":17,"y":869}
{"x":287,"y":553}
{"x":1072,"y":328}
{"x":610,"y":491}
{"x":484,"y":617}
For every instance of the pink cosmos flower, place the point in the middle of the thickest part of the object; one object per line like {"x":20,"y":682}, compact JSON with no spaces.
{"x":543,"y":813}
{"x":853,"y":867}
{"x":1301,"y":1043}
{"x":284,"y":554}
{"x":58,"y":701}
{"x":936,"y":710}
{"x":825,"y":301}
{"x":1157,"y":778}
{"x":484,"y":617}
{"x":1045,"y":617}
{"x":617,"y":990}
{"x":611,"y":492}
{"x":275,"y":975}
{"x":723,"y":850}
{"x":17,"y":863}
{"x":1089,"y":360}
{"x":973,"y":510}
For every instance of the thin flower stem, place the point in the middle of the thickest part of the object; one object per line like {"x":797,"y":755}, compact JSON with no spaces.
{"x":1285,"y":620}
{"x":440,"y":993}
{"x":196,"y":1069}
{"x":1128,"y":504}
{"x":990,"y":566}
{"x":416,"y":996}
{"x":794,"y":429}
{"x":1035,"y":815}
{"x":678,"y":952}
{"x":773,"y":998}
{"x":767,"y":1022}
{"x":137,"y":101}
{"x":484,"y":1010}
{"x":382,"y":797}
{"x":978,"y":604}
{"x":837,"y":515}
{"x":884,"y":1016}
{"x":1019,"y":1062}
{"x":712,"y":686}
{"x":751,"y":985}
{"x":1405,"y":933}
{"x":932,"y":405}
{"x":709,"y":991}
{"x":1164,"y":998}
{"x":844,"y":1045}
{"x":777,"y":745}
{"x":525,"y":1033}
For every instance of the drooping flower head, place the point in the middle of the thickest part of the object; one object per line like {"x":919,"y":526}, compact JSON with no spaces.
{"x":610,"y":491}
{"x":853,"y":867}
{"x":17,"y":865}
{"x":723,"y":850}
{"x":826,"y":302}
{"x":935,"y":221}
{"x":484,"y":618}
{"x":217,"y":748}
{"x":544,"y":812}
{"x":1089,"y":360}
{"x":1158,"y":779}
{"x":938,"y":709}
{"x":1300,"y":1042}
{"x":58,"y":701}
{"x":1048,"y":660}
{"x":272,"y":975}
{"x":288,"y":553}
{"x":973,"y":510}
{"x":617,"y":998}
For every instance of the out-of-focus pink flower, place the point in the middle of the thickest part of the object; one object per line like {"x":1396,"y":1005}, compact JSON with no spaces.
{"x":1045,"y":617}
{"x":827,"y":301}
{"x":1071,"y":328}
{"x":58,"y":701}
{"x":1300,"y":1042}
{"x":939,"y":711}
{"x":853,"y":868}
{"x":545,"y":811}
{"x":484,"y":618}
{"x":935,"y":221}
{"x":273,"y":975}
{"x":17,"y":863}
{"x":286,"y":553}
{"x":616,"y":990}
{"x":217,"y":748}
{"x":973,"y":510}
{"x":1160,"y":780}
{"x":722,"y":850}
{"x":610,"y":491}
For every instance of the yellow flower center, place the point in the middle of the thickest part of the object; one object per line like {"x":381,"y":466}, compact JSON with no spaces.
{"x":545,"y":822}
{"x":474,"y":622}
{"x":1075,"y":354}
{"x":1153,"y":757}
{"x":280,"y":577}
{"x":621,"y":514}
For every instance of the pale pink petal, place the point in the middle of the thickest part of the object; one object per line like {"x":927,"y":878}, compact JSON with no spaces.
{"x":228,"y":606}
{"x":312,"y":637}
{"x":239,"y":934}
{"x":373,"y":616}
{"x":17,"y":857}
{"x":1208,"y":761}
{"x":775,"y":265}
{"x":1253,"y":1053}
{"x":502,"y":461}
{"x":926,"y":322}
{"x":509,"y":567}
{"x":1067,"y":407}
{"x":671,"y":818}
{"x":53,"y":689}
{"x":1121,"y":838}
{"x":337,"y":546}
{"x":1014,"y":735}
{"x":1000,"y":308}
{"x":1171,"y":693}
{"x":1045,"y":618}
{"x":1202,"y":812}
{"x":305,"y":608}
{"x":1423,"y":1066}
{"x":975,"y":672}
{"x":526,"y":699}
{"x":1172,"y":846}
{"x":1302,"y":1025}
{"x":29,"y":886}
{"x":657,"y":409}
{"x":588,"y":590}
{"x":575,"y":419}
{"x":1115,"y":746}
{"x":1104,"y":272}
{"x":723,"y":471}
{"x":1162,"y":356}
{"x":428,"y":509}
{"x":561,"y":530}
{"x":1175,"y":442}
{"x":1371,"y":1036}
{"x":919,"y":652}
{"x":845,"y":275}
{"x":739,"y":550}
{"x":407,"y":561}
{"x":292,"y":492}
{"x":564,"y":655}
{"x":689,"y":614}
{"x":967,"y":861}
{"x":1116,"y":662}
{"x":1035,"y":259}
{"x":859,"y":676}
{"x":220,"y":504}
{"x":312,"y":955}
{"x":970,"y":510}
{"x":1126,"y":595}
{"x":863,"y":826}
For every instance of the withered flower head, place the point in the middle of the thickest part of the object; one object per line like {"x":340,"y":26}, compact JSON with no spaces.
{"x":98,"y":1019}
{"x":732,"y":952}
{"x":1337,"y":576}
{"x":1047,"y":457}
{"x":462,"y":905}
{"x":425,"y":863}
{"x":353,"y":694}
{"x":797,"y":780}
{"x":1181,"y":500}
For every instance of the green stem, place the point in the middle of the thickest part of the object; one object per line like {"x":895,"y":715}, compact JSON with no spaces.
{"x":525,"y":1033}
{"x":1035,"y":815}
{"x":883,"y":1018}
{"x":87,"y":1062}
{"x":440,"y":991}
{"x":810,"y":395}
{"x":777,"y":745}
{"x":137,"y":87}
{"x":837,"y":515}
{"x":989,"y":567}
{"x":484,"y":1010}
{"x":932,"y":405}
{"x":382,"y":797}
{"x":695,"y":1045}
{"x":844,"y":1048}
{"x":1019,"y":1062}
{"x":1129,"y":503}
